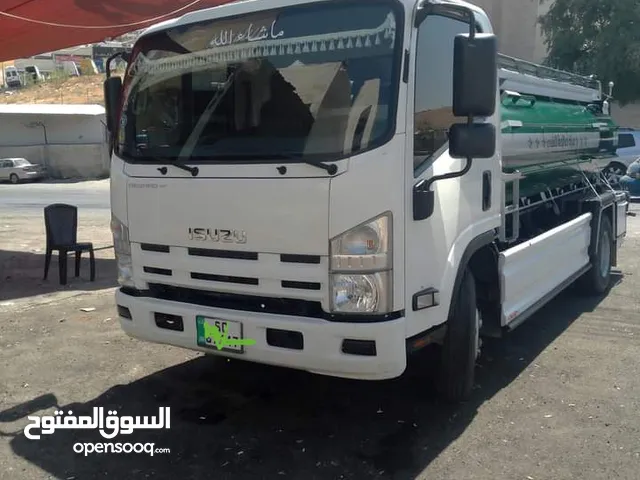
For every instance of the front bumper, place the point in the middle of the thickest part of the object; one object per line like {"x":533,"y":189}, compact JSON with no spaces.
{"x":34,"y":175}
{"x":321,"y":353}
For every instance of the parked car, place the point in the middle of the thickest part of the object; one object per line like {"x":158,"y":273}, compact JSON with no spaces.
{"x":20,"y":169}
{"x":33,"y":72}
{"x":627,"y":153}
{"x":12,"y":77}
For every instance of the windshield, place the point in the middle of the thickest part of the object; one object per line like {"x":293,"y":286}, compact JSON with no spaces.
{"x":304,"y":81}
{"x":20,"y":163}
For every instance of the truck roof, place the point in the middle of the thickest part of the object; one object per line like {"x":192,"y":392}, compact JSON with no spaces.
{"x":239,"y":7}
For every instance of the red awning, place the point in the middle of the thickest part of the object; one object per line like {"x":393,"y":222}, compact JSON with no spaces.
{"x":31,"y":27}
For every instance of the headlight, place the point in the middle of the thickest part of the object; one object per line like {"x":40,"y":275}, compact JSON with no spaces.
{"x":361,"y":266}
{"x":122,"y":249}
{"x":361,"y":293}
{"x":365,"y":248}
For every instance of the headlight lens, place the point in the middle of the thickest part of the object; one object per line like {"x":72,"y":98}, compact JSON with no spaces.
{"x":361,"y":266}
{"x":365,"y":248}
{"x":122,"y":249}
{"x":360,"y":293}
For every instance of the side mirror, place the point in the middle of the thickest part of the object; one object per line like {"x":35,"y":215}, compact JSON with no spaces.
{"x":626,"y":140}
{"x":472,"y":140}
{"x":475,"y":75}
{"x":112,"y":96}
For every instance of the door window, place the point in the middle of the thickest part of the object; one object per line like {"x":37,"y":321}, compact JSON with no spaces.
{"x":433,"y":111}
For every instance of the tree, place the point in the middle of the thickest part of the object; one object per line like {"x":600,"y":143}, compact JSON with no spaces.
{"x":600,"y":37}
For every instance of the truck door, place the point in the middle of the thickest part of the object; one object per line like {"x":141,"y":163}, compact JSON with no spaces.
{"x":464,"y":207}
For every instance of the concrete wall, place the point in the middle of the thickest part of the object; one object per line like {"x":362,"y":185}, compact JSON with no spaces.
{"x":65,"y":161}
{"x":70,"y":146}
{"x":36,"y":129}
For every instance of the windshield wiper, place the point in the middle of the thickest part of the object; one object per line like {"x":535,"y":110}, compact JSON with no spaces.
{"x":331,"y":168}
{"x":174,"y":163}
{"x":192,"y":170}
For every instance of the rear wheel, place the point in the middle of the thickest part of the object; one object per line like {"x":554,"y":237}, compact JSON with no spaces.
{"x":597,"y":279}
{"x":14,"y":178}
{"x":614,"y":172}
{"x":461,"y":345}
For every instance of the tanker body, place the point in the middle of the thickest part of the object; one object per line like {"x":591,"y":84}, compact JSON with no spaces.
{"x":555,"y":126}
{"x":550,"y":115}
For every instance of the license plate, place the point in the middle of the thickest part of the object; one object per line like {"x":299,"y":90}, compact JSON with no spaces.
{"x":228,"y":330}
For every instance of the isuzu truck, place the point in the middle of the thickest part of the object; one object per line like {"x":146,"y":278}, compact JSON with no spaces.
{"x":336,"y":184}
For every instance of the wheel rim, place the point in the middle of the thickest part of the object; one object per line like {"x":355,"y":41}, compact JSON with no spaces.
{"x":14,"y":179}
{"x":614,"y":174}
{"x":605,"y":254}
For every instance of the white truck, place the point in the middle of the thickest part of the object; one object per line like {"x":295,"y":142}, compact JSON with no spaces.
{"x":331,"y":185}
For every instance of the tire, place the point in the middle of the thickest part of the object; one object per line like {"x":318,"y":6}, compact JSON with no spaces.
{"x":614,"y":171}
{"x":14,"y":178}
{"x":597,"y":280}
{"x":461,"y":345}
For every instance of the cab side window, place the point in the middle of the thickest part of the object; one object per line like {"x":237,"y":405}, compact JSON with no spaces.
{"x":433,"y":113}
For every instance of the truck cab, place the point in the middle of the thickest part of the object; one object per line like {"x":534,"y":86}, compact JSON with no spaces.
{"x":322,"y":181}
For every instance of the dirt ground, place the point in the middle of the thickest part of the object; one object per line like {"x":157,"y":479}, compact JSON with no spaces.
{"x":557,"y":399}
{"x":71,"y":90}
{"x":22,"y":248}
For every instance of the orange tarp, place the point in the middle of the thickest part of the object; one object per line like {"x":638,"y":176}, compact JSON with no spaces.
{"x":31,"y":27}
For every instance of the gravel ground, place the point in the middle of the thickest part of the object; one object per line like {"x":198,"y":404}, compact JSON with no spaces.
{"x":556,"y":399}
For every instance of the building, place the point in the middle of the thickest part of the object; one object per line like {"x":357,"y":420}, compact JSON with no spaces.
{"x":519,"y":35}
{"x":69,"y":140}
{"x":516,"y":24}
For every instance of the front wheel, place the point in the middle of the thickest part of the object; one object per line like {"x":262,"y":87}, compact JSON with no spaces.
{"x":461,"y":345}
{"x":14,"y":178}
{"x":597,"y":279}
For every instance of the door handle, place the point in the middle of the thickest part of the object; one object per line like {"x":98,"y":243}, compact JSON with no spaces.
{"x":486,"y":190}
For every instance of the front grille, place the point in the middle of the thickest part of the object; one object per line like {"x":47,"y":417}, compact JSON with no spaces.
{"x":201,"y":252}
{"x":301,"y":285}
{"x":230,"y":301}
{"x":224,"y":278}
{"x":157,"y":271}
{"x":310,"y":259}
{"x":148,"y":247}
{"x":255,"y":274}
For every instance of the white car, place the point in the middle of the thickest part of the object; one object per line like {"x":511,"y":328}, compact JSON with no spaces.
{"x":627,"y":153}
{"x":20,"y":169}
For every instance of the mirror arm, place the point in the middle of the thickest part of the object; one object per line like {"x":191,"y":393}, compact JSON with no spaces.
{"x":459,"y":173}
{"x":446,"y":176}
